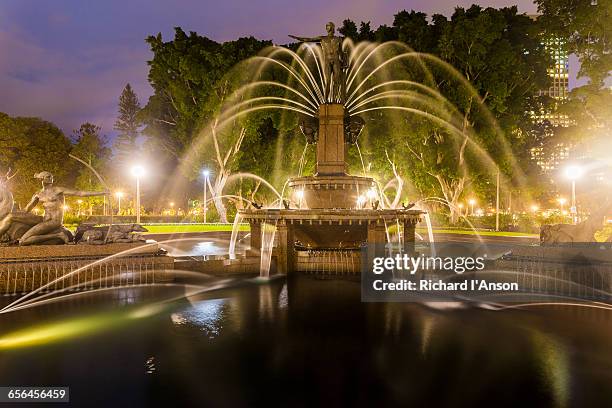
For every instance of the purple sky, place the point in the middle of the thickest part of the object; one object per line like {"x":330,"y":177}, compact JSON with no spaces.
{"x":68,"y":60}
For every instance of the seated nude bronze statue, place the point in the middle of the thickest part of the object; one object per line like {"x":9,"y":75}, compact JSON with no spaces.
{"x":25,"y":228}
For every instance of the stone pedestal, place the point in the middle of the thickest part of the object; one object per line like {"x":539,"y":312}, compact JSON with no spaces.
{"x":255,"y":236}
{"x":409,"y":236}
{"x":376,"y":240}
{"x":286,"y":251}
{"x":331,"y":148}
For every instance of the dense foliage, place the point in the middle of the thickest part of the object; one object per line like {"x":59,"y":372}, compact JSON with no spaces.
{"x":29,"y":146}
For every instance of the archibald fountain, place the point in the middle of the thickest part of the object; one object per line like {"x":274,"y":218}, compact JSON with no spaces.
{"x":333,"y":214}
{"x":337,"y":213}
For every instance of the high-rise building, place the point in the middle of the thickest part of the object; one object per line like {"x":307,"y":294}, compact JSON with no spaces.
{"x":548,"y":156}
{"x":559,"y":86}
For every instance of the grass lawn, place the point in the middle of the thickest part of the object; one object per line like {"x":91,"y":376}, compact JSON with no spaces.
{"x":483,"y":233}
{"x":181,"y":228}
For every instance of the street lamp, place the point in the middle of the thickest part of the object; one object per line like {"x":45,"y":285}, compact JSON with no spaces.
{"x":472,"y":202}
{"x":119,"y":195}
{"x":460,"y":206}
{"x":535,"y":208}
{"x":138,"y":172}
{"x":573,"y":173}
{"x":205,"y":173}
{"x":562,"y":202}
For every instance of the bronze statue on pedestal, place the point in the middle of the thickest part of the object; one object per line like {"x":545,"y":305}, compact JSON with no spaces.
{"x":335,"y":62}
{"x":26,"y":228}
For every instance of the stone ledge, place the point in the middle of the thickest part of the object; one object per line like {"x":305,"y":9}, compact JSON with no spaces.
{"x":75,"y":251}
{"x":586,"y":253}
{"x":315,"y":216}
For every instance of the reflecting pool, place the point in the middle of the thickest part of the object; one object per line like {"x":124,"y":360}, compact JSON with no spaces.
{"x":304,"y":342}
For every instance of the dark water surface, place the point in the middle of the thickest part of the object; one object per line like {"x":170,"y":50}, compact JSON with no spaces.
{"x":307,"y":343}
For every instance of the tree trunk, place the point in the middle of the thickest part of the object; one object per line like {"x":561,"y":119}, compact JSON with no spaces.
{"x":216,"y":191}
{"x":452,"y":190}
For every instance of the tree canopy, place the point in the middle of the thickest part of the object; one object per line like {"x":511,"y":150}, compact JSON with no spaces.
{"x":128,"y":124}
{"x":29,"y":146}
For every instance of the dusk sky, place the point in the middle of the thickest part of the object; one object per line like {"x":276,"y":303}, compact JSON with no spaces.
{"x":67,"y":60}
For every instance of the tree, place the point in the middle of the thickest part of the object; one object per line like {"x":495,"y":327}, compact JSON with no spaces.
{"x":414,"y":30}
{"x":585,"y":27}
{"x":193,"y":77}
{"x":349,"y":29}
{"x":29,"y":146}
{"x":128,"y":124}
{"x":90,"y":147}
{"x":185,"y":74}
{"x":501,"y":55}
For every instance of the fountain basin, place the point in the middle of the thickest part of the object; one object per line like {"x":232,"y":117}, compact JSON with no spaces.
{"x":80,"y":267}
{"x":330,"y":228}
{"x":328,"y":192}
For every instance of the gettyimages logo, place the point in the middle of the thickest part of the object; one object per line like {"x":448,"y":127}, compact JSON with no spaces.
{"x":485,"y":272}
{"x":411,"y":264}
{"x":447,"y":272}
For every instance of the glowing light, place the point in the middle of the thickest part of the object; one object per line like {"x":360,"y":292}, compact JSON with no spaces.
{"x":206,"y":172}
{"x":361,"y":200}
{"x":472,"y":201}
{"x":138,"y":171}
{"x":71,"y":328}
{"x":299,"y":194}
{"x":534,"y":208}
{"x":460,"y":205}
{"x":372,"y":194}
{"x":119,"y":194}
{"x":65,"y":207}
{"x":573,"y":172}
{"x":172,"y":204}
{"x":562,"y":200}
{"x":79,"y":201}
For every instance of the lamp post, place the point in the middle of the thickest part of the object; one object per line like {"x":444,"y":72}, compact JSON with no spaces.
{"x":497,"y":204}
{"x":573,"y":173}
{"x":205,"y":173}
{"x":118,"y":195}
{"x":562,"y":202}
{"x":79,"y":202}
{"x":472,"y":202}
{"x":138,"y":172}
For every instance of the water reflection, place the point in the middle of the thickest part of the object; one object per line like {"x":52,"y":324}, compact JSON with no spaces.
{"x":200,"y":248}
{"x":205,"y":315}
{"x":319,"y":345}
{"x":554,"y":366}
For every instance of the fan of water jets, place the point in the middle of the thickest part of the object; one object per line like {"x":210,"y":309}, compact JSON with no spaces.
{"x":388,"y":79}
{"x":381,"y":79}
